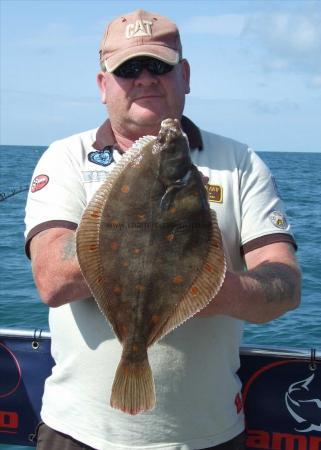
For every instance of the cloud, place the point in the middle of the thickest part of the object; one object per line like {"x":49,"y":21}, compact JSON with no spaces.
{"x":289,"y":41}
{"x":221,"y":25}
{"x":284,"y":40}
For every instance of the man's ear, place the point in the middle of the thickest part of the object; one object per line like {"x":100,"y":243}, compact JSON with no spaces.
{"x":101,"y":81}
{"x":186,"y":75}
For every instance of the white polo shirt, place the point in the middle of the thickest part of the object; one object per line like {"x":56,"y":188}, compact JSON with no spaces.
{"x":197,"y":389}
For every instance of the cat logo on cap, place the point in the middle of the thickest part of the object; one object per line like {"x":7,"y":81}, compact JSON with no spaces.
{"x":278,"y":219}
{"x":139,"y":28}
{"x":215,"y":193}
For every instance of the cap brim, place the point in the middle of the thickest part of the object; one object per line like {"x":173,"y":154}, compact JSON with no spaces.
{"x":165,"y":54}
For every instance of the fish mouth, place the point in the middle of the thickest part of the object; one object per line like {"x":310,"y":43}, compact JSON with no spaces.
{"x":169,"y":130}
{"x":172,"y":124}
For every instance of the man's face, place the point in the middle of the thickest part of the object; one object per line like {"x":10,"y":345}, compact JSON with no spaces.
{"x":137,"y":106}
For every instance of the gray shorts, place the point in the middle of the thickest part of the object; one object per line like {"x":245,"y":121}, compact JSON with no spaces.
{"x":49,"y":439}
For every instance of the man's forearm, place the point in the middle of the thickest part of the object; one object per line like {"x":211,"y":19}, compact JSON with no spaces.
{"x":258,"y":295}
{"x":273,"y":289}
{"x":56,"y":269}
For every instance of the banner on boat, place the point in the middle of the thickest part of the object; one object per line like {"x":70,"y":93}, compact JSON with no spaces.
{"x":281,"y":395}
{"x":25,"y":363}
{"x":282,"y":402}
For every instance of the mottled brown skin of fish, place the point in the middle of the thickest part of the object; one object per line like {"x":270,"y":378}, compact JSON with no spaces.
{"x":133,"y":390}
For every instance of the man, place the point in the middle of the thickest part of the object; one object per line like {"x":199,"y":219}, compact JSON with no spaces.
{"x":143,"y":80}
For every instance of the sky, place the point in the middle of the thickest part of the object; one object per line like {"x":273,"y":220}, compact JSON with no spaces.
{"x":255,"y":68}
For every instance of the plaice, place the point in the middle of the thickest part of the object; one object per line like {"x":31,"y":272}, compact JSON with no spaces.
{"x":151,"y":252}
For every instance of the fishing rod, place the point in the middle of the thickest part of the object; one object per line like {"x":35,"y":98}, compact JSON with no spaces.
{"x":12,"y":192}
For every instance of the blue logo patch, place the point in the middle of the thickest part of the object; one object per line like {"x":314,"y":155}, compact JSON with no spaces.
{"x":102,"y":157}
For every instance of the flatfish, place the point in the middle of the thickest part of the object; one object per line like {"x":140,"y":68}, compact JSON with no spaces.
{"x":150,"y":249}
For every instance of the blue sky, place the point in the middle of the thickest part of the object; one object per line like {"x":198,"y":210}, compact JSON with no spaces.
{"x":256,"y":68}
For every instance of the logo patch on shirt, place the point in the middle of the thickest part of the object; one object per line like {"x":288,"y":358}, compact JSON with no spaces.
{"x":278,"y":219}
{"x":102,"y":157}
{"x":39,"y":182}
{"x":90,"y":176}
{"x":215,"y":193}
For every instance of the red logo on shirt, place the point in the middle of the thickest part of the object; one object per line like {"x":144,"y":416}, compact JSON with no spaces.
{"x":39,"y":182}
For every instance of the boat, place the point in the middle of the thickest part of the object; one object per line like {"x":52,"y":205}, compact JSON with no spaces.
{"x":281,"y":393}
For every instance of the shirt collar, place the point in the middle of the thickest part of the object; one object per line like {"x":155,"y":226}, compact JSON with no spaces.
{"x":105,"y":136}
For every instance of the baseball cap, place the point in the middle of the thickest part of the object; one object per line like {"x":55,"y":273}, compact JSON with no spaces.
{"x":139,"y":33}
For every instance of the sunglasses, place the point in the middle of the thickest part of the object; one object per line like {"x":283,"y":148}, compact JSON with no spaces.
{"x":133,"y":67}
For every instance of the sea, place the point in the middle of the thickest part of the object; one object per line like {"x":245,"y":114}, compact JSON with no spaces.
{"x":298,"y":177}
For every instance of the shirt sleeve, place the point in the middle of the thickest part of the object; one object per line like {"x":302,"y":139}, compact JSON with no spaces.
{"x":56,"y":196}
{"x":263,"y":214}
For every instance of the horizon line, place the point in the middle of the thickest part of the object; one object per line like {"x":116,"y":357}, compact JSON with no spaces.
{"x":256,"y":150}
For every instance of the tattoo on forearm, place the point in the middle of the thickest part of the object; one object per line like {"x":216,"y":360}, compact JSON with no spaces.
{"x":69,"y":249}
{"x":277,"y":281}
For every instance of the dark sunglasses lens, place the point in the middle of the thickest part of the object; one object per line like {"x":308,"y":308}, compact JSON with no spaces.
{"x":157,"y":67}
{"x":130,"y":69}
{"x":133,"y":67}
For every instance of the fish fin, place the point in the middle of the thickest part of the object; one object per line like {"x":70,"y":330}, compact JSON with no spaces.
{"x":87,"y":235}
{"x":141,"y":142}
{"x":87,"y":242}
{"x":133,"y":389}
{"x":204,"y":287}
{"x":168,"y":198}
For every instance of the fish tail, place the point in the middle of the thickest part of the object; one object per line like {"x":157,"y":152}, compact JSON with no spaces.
{"x":133,"y":389}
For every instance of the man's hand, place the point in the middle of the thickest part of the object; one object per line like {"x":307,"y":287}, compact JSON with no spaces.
{"x":269,"y":288}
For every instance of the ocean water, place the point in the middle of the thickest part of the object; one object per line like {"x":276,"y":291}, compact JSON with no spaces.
{"x":298,"y":177}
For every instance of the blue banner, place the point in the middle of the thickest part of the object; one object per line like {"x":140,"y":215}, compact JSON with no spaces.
{"x":282,"y":401}
{"x":281,"y":394}
{"x":25,"y":363}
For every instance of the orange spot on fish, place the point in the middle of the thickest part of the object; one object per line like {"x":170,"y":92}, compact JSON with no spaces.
{"x":135,"y":348}
{"x":169,"y":237}
{"x":94,"y":214}
{"x":208,"y":267}
{"x":136,"y":251}
{"x":117,"y":290}
{"x":114,"y":245}
{"x":125,"y":189}
{"x":155,"y":318}
{"x":99,"y":280}
{"x":178,"y":279}
{"x":141,"y":217}
{"x":194,"y":290}
{"x":92,"y":247}
{"x":172,"y":210}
